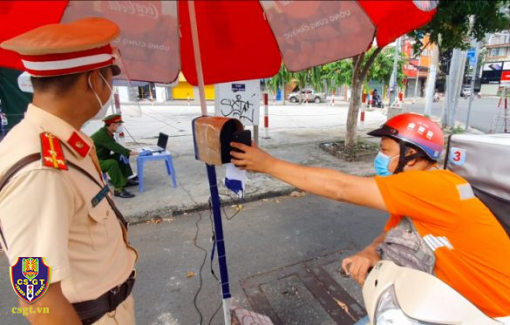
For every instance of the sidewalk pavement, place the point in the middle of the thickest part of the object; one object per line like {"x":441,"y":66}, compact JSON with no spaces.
{"x":295,"y":135}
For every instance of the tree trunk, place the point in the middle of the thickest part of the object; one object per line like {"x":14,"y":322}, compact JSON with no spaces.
{"x":354,"y":105}
{"x":359,"y":74}
{"x":352,"y":116}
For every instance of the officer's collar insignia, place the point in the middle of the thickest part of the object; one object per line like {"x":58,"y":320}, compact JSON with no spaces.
{"x":79,"y":145}
{"x":30,"y":277}
{"x":51,"y":152}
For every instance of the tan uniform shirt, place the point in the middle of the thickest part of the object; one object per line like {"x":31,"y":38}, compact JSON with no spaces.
{"x":47,"y":212}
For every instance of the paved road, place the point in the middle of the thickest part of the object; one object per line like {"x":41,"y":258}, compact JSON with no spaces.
{"x":265,"y":236}
{"x":482,"y":111}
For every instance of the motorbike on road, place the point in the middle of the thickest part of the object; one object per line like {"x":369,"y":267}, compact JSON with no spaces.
{"x":404,"y":296}
{"x":376,"y":101}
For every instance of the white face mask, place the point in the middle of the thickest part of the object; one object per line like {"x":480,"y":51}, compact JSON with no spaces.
{"x":103,"y":107}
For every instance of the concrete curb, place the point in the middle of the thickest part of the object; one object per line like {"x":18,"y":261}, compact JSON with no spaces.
{"x":174,"y":210}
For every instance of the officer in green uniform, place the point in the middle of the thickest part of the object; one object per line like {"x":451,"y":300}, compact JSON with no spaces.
{"x":113,"y":157}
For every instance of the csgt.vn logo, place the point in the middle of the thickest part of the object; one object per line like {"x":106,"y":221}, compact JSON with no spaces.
{"x":25,"y":311}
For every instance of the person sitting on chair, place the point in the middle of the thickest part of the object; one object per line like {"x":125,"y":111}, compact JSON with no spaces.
{"x":113,"y":157}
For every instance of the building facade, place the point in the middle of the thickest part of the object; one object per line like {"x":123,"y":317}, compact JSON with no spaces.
{"x":416,"y":67}
{"x":496,"y":67}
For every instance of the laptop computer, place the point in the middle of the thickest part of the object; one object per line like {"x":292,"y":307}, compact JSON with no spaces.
{"x":161,"y":145}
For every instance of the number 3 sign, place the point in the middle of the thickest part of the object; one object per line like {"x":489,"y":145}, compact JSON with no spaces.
{"x":457,"y":156}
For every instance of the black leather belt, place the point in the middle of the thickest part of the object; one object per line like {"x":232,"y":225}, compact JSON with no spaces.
{"x":91,"y":311}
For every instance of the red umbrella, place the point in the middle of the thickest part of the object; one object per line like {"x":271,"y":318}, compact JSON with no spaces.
{"x":239,"y":40}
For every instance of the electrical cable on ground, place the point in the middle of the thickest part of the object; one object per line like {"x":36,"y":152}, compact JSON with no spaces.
{"x":214,"y":244}
{"x":218,"y":309}
{"x":200,"y":248}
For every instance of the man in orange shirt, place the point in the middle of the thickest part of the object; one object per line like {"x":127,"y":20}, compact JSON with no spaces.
{"x":470,"y":246}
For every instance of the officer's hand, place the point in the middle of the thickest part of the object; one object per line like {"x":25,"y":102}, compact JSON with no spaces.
{"x":357,"y":266}
{"x":134,"y":153}
{"x":252,"y":158}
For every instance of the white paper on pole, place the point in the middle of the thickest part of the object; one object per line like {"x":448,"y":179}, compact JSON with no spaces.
{"x":235,"y":179}
{"x":239,"y":100}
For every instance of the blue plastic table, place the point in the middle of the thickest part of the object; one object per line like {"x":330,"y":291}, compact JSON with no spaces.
{"x":165,"y":156}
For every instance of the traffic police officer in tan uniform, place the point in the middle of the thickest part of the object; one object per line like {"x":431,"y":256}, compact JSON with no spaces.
{"x":53,"y":200}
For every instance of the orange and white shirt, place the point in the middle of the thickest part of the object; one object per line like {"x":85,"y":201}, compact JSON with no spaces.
{"x":472,"y":249}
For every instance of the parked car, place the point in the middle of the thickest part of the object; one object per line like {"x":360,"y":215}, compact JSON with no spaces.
{"x":466,"y":92}
{"x":308,"y":95}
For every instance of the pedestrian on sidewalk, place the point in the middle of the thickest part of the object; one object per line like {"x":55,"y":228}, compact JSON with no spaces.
{"x":54,"y":202}
{"x":113,"y":157}
{"x":460,"y":240}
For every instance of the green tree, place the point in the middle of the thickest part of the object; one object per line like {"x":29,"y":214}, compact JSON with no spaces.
{"x":367,"y":66}
{"x":382,"y":67}
{"x":338,"y":73}
{"x":280,"y":80}
{"x":452,"y":22}
{"x":316,"y":75}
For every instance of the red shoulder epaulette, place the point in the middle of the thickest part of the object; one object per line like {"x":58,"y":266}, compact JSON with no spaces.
{"x":51,"y":151}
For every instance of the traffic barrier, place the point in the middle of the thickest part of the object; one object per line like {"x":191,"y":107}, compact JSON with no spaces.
{"x":266,"y":116}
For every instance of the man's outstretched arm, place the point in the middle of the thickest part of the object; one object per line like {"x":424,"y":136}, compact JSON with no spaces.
{"x":320,"y":181}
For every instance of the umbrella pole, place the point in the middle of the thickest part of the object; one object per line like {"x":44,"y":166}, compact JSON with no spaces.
{"x":211,"y":174}
{"x":198,"y":59}
{"x":220,"y":242}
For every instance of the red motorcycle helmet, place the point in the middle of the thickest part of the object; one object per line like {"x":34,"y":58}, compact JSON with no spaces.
{"x":416,"y":130}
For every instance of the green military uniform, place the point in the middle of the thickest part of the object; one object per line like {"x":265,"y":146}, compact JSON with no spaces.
{"x":108,"y":153}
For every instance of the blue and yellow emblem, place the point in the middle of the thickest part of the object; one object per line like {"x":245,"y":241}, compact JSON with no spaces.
{"x":30,"y":277}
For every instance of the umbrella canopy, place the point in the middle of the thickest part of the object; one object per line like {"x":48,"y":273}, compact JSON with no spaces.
{"x":239,"y":40}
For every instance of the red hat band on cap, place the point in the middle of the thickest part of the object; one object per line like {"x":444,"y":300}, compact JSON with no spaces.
{"x":115,"y":119}
{"x":68,"y":63}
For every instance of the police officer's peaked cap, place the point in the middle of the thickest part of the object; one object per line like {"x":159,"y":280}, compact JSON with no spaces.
{"x":62,"y":49}
{"x":114,"y":118}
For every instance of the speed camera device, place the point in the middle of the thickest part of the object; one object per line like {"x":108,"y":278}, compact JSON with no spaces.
{"x":212,"y":136}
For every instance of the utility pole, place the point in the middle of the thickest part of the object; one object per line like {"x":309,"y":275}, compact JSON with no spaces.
{"x":283,"y":92}
{"x":417,"y":78}
{"x":444,"y":111}
{"x":431,"y":82}
{"x":473,"y":77}
{"x":394,"y":74}
{"x":458,"y":86}
{"x":451,"y":86}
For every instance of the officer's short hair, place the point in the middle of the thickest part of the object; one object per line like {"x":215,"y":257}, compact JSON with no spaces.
{"x":60,"y":84}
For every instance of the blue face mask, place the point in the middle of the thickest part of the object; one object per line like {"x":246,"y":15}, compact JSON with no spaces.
{"x":381,"y":163}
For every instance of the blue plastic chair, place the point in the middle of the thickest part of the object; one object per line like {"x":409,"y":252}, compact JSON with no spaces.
{"x":166,"y":156}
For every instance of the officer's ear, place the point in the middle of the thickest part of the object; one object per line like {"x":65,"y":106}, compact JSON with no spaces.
{"x":94,"y":81}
